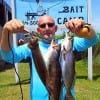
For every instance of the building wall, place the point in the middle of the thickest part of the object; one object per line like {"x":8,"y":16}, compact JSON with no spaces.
{"x":5,"y":11}
{"x":0,"y":32}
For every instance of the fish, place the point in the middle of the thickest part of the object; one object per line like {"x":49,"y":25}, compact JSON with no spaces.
{"x":54,"y":71}
{"x":49,"y":70}
{"x":67,"y":63}
{"x":38,"y":59}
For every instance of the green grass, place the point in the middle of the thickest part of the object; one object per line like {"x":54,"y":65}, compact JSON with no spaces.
{"x":85,"y":89}
{"x":9,"y":89}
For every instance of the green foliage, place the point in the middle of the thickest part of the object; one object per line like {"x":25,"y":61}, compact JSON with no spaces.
{"x":60,"y":36}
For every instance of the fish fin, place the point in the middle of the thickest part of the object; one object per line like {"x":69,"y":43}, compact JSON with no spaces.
{"x":53,"y":43}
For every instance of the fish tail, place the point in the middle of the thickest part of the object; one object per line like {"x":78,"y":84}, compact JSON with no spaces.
{"x":69,"y":96}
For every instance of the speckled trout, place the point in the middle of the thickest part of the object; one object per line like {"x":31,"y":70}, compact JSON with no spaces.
{"x":38,"y":59}
{"x":54,"y":71}
{"x":49,"y":70}
{"x":67,"y":63}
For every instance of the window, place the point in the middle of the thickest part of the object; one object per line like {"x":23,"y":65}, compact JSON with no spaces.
{"x":2,"y":15}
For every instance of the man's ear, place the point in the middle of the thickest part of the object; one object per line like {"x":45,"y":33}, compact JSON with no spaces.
{"x":56,"y":27}
{"x":38,"y":30}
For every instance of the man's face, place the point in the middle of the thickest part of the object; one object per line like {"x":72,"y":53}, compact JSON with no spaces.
{"x":46,"y":27}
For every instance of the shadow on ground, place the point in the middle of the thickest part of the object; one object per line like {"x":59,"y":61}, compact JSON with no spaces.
{"x":5,"y":66}
{"x":95,"y":77}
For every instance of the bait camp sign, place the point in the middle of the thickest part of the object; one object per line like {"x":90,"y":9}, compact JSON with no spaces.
{"x":28,"y":11}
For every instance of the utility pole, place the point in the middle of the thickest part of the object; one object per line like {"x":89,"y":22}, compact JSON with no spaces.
{"x":90,"y":65}
{"x":14,"y":39}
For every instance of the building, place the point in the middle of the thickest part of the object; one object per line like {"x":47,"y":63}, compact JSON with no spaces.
{"x":5,"y":15}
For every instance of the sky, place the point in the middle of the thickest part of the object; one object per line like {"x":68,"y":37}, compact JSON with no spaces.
{"x":95,"y":12}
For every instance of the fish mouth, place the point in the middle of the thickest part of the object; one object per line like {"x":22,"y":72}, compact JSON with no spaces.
{"x":70,"y":38}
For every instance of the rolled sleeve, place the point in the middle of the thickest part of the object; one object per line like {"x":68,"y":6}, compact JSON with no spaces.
{"x":81,"y":44}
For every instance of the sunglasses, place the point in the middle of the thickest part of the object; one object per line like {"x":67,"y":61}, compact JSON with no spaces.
{"x":44,"y":25}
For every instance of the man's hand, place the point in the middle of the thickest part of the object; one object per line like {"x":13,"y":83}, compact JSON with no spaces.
{"x":13,"y":26}
{"x":79,"y":27}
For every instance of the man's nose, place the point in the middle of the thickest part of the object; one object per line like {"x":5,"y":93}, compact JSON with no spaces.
{"x":46,"y":26}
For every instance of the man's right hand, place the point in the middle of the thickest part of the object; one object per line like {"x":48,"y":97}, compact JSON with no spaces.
{"x":13,"y":26}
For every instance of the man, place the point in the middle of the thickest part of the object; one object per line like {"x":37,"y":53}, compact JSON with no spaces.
{"x":46,"y":28}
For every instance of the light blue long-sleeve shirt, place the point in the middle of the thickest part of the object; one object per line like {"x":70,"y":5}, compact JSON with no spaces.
{"x":37,"y":89}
